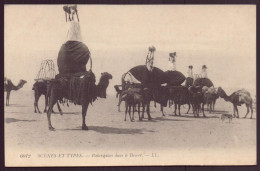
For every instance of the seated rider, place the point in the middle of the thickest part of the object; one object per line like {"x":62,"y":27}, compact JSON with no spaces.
{"x":204,"y":72}
{"x":172,"y":62}
{"x":190,"y":72}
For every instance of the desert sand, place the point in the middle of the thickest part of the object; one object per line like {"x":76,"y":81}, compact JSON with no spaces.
{"x":176,"y":139}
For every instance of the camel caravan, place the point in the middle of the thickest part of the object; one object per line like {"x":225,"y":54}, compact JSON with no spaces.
{"x":139,"y":86}
{"x":145,"y":83}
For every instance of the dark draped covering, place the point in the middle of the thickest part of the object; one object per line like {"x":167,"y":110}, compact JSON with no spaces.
{"x":175,"y":78}
{"x":203,"y":82}
{"x":73,"y":57}
{"x":153,"y":78}
{"x":74,"y":88}
{"x":156,"y":77}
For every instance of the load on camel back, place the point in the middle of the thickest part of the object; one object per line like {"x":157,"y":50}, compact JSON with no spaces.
{"x":74,"y":82}
{"x":203,"y":80}
{"x":152,"y":77}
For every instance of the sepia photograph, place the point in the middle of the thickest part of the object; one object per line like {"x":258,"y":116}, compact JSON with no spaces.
{"x":129,"y":85}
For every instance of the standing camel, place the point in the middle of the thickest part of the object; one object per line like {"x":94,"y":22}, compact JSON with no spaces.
{"x":210,"y":96}
{"x":237,"y":99}
{"x":84,"y":90}
{"x":40,"y":88}
{"x":9,"y":86}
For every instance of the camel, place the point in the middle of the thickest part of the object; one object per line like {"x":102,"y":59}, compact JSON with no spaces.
{"x":132,"y":97}
{"x":9,"y":86}
{"x":188,"y":82}
{"x":86,"y":91}
{"x":237,"y":99}
{"x":197,"y":100}
{"x":180,"y":95}
{"x":40,"y":88}
{"x":210,"y":96}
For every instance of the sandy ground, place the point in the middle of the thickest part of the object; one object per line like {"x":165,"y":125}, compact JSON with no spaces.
{"x":185,"y":136}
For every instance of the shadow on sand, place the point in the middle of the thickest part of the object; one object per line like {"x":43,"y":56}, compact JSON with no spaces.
{"x":16,"y":105}
{"x":67,"y":113}
{"x":192,"y":116}
{"x":220,"y":112}
{"x":167,"y":119}
{"x":109,"y":130}
{"x":10,"y":120}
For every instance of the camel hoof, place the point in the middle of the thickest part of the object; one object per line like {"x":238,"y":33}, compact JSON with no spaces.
{"x":84,"y":127}
{"x":250,"y":117}
{"x":149,"y":119}
{"x":51,"y":128}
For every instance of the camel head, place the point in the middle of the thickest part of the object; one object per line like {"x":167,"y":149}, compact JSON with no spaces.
{"x":103,"y":84}
{"x":22,"y":81}
{"x":221,"y":92}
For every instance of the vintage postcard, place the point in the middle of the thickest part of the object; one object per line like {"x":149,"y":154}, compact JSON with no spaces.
{"x":129,"y":85}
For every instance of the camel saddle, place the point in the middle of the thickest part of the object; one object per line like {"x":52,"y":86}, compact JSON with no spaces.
{"x":77,"y":87}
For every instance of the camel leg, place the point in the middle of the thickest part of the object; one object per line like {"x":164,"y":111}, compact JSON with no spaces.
{"x":188,"y":109}
{"x":35,"y":97}
{"x":143,"y":111}
{"x":126,"y":109}
{"x":84,"y":113}
{"x":251,"y":107}
{"x":36,"y":102}
{"x":203,"y":110}
{"x":119,"y":102}
{"x":134,"y":109}
{"x":130,"y":113}
{"x":53,"y":100}
{"x":7,"y":98}
{"x":58,"y":106}
{"x":139,"y":111}
{"x":46,"y":103}
{"x":175,"y":108}
{"x":162,"y":111}
{"x":234,"y":115}
{"x":179,"y":108}
{"x":237,"y":112}
{"x":214,"y":102}
{"x":247,"y":107}
{"x":148,"y":111}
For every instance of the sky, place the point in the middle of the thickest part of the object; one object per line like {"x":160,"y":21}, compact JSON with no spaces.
{"x":223,"y":37}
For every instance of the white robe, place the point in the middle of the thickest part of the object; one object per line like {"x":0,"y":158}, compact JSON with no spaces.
{"x":171,"y":66}
{"x":131,"y":79}
{"x":190,"y":73}
{"x":74,"y":32}
{"x":204,"y":73}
